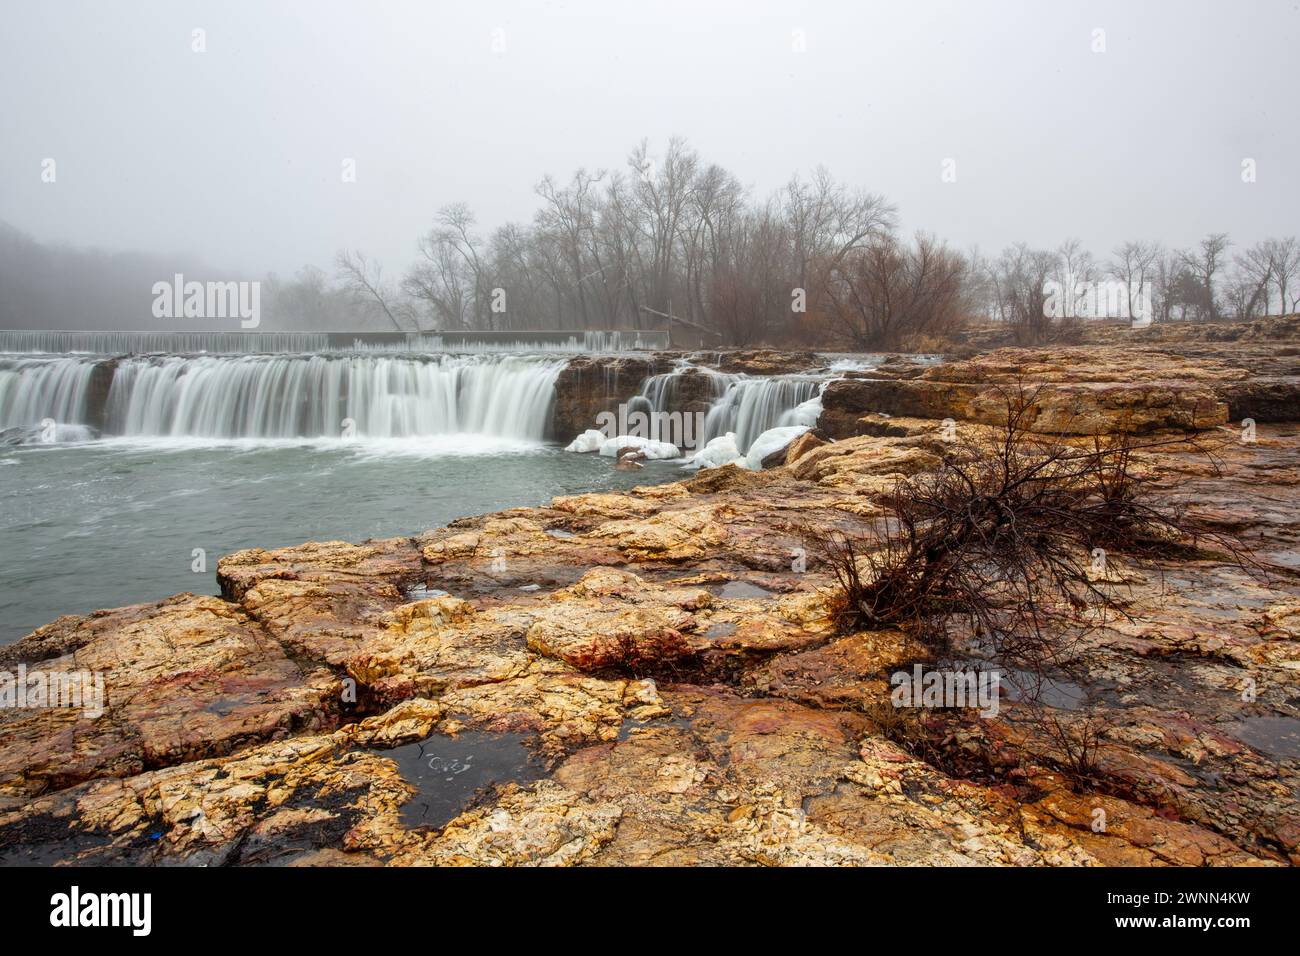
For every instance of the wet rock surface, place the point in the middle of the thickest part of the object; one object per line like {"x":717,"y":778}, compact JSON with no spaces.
{"x":758,"y":361}
{"x":590,"y":385}
{"x":1084,"y":391}
{"x":652,"y":677}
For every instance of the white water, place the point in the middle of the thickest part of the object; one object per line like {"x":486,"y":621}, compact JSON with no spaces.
{"x":741,"y":405}
{"x":33,"y":389}
{"x":276,"y":397}
{"x":374,"y":395}
{"x":752,"y":406}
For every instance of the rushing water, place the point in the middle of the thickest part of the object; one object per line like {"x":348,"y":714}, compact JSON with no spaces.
{"x":32,"y":389}
{"x":115,"y":522}
{"x":745,"y":405}
{"x":116,"y":471}
{"x":284,"y":396}
{"x":151,"y":458}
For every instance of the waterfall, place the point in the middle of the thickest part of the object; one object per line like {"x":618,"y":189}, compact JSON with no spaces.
{"x":33,"y":389}
{"x":288,"y":396}
{"x":667,"y":391}
{"x":751,"y":406}
{"x":737,"y":403}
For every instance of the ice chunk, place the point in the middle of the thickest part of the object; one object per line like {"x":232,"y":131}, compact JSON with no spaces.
{"x":805,"y":413}
{"x":774,"y":439}
{"x":720,"y":451}
{"x":590,"y":440}
{"x":649,"y":448}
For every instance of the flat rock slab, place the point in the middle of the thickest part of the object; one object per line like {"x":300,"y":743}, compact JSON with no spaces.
{"x":183,"y":678}
{"x":1132,"y":397}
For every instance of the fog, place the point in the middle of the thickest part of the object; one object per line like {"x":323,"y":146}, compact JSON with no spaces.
{"x":234,"y":155}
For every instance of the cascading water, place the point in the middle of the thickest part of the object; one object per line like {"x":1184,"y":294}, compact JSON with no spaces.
{"x":285,"y":397}
{"x":751,"y":406}
{"x":34,"y":389}
{"x":740,"y":404}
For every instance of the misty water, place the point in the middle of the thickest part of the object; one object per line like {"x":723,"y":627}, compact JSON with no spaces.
{"x":114,"y":522}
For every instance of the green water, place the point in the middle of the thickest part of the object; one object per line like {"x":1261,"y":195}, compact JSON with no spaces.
{"x":103,"y":524}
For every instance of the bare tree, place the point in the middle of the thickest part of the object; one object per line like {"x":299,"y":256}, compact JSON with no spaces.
{"x":569,"y":220}
{"x":1204,"y":263}
{"x":671,"y":234}
{"x":1284,"y":263}
{"x":364,"y":280}
{"x":882,"y":294}
{"x":1074,"y":269}
{"x":1135,"y":264}
{"x":1248,"y":288}
{"x":1019,"y":278}
{"x":828,"y":221}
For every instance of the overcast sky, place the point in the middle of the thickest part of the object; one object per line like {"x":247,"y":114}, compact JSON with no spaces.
{"x":235,"y":154}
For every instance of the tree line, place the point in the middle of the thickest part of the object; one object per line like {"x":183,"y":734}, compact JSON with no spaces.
{"x":815,"y":263}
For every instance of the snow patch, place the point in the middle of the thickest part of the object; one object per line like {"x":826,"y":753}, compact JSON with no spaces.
{"x":772,"y":440}
{"x":805,"y":413}
{"x":651,"y":449}
{"x":720,"y":451}
{"x":588,"y":441}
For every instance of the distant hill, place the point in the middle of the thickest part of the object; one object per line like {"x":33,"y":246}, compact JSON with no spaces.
{"x":60,"y":286}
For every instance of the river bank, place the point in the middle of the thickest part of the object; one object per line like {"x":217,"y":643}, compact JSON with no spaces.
{"x":649,"y":675}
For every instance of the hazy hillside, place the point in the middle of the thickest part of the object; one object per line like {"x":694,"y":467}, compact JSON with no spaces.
{"x":60,"y":286}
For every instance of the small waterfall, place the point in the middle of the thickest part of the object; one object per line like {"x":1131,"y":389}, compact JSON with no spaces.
{"x":736,"y":403}
{"x":284,"y":396}
{"x":684,"y":385}
{"x":34,"y":389}
{"x":753,"y":405}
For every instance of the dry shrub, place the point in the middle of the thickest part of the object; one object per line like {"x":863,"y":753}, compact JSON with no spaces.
{"x":638,"y":655}
{"x":1078,"y":741}
{"x":997,"y":545}
{"x":992,"y":556}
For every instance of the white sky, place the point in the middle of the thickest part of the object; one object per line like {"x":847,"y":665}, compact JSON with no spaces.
{"x":234,"y":154}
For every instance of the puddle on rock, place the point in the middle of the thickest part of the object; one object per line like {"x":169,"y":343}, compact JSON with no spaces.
{"x":1276,"y":736}
{"x":630,"y":726}
{"x":447,"y":771}
{"x":1286,"y":559}
{"x":1053,"y":692}
{"x":1022,"y":685}
{"x":422,"y":592}
{"x":743,"y":589}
